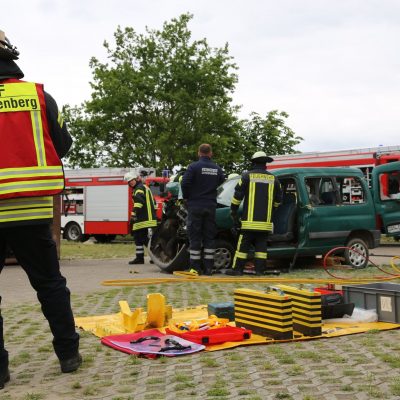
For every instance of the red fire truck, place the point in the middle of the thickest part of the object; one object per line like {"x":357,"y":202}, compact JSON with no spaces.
{"x":365,"y":159}
{"x":98,"y":202}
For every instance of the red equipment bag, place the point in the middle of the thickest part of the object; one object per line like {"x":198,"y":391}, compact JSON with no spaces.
{"x":213,"y":336}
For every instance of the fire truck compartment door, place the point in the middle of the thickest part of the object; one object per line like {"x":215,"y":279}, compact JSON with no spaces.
{"x":386,"y":191}
{"x":107,"y":203}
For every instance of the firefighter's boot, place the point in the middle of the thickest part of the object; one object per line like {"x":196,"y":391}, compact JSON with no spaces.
{"x":136,"y":261}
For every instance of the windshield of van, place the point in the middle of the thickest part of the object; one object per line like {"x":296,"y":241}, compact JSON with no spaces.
{"x":226,"y":190}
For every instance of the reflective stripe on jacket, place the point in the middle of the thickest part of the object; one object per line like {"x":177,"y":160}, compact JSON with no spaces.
{"x":29,"y":163}
{"x":261,"y":192}
{"x":143,"y":207}
{"x":26,"y":209}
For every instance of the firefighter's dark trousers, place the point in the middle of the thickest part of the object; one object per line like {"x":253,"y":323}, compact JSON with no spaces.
{"x":202,"y":230}
{"x":141,"y":237}
{"x":246,"y":239}
{"x":36,"y":252}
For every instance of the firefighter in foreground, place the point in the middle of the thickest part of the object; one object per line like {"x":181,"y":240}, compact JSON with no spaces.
{"x":143,"y":214}
{"x":261,"y":192}
{"x":33,"y":138}
{"x":199,"y":189}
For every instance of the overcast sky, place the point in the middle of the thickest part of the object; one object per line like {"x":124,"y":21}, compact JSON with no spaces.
{"x":333,"y":66}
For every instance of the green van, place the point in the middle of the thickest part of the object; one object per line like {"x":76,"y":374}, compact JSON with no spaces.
{"x":322,"y":208}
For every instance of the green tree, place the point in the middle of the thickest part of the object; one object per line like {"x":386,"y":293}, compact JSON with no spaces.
{"x":158,"y":97}
{"x":269,"y":134}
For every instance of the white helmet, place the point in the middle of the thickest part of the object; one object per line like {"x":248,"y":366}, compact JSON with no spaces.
{"x":129,"y":176}
{"x":261,"y":156}
{"x":233,"y":175}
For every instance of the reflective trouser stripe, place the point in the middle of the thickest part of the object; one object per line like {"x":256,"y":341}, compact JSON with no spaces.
{"x":259,"y":254}
{"x":238,"y":253}
{"x":138,"y":205}
{"x":144,"y":224}
{"x":209,"y":254}
{"x":195,"y":254}
{"x":139,"y":250}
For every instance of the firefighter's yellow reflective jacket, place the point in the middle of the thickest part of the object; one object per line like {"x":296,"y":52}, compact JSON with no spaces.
{"x":144,"y":211}
{"x":260,"y":192}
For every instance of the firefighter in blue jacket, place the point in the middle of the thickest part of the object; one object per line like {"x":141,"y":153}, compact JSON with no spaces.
{"x":143,"y":214}
{"x":199,"y":188}
{"x":261,"y":193}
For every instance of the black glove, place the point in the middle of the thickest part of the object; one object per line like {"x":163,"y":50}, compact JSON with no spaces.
{"x":236,"y":220}
{"x":133,"y":219}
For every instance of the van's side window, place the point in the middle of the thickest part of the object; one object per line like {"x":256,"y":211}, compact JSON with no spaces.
{"x":389,"y":183}
{"x":351,"y":190}
{"x":321,"y":191}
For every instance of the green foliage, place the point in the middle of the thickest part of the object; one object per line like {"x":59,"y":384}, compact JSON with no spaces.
{"x":159,"y":96}
{"x":269,"y":134}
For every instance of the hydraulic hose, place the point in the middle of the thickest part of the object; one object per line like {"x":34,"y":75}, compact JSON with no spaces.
{"x":332,"y":279}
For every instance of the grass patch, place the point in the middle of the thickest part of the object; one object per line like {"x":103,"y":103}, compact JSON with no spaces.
{"x":20,"y":359}
{"x":393,"y":361}
{"x":33,"y":396}
{"x":90,"y":250}
{"x":209,"y":362}
{"x":395,"y":387}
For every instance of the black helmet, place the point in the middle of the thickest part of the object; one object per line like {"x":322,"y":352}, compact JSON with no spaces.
{"x":7,"y":50}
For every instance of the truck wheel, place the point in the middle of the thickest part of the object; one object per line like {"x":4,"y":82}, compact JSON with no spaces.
{"x":73,"y":232}
{"x":224,"y":253}
{"x":359,"y":258}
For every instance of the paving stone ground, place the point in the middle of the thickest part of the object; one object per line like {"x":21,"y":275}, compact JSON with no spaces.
{"x":362,"y":366}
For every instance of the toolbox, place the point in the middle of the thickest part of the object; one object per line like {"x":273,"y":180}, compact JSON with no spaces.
{"x":306,"y":304}
{"x":222,"y":310}
{"x":383,"y":297}
{"x":265,"y":313}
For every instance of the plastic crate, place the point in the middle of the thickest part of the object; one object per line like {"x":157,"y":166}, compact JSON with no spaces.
{"x":382,"y":297}
{"x":222,"y":310}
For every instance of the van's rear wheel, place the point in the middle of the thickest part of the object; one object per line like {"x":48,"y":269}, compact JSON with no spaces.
{"x":357,"y":253}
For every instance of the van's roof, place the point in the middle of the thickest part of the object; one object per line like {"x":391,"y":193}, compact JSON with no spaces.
{"x":318,"y":171}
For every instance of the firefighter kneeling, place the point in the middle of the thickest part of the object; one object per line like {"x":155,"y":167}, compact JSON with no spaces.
{"x":261,"y":192}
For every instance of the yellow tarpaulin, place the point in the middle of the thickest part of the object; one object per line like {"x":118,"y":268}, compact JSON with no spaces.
{"x":112,"y":324}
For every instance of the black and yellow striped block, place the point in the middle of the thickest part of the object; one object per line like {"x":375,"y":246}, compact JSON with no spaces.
{"x":306,"y":307}
{"x":267,"y":314}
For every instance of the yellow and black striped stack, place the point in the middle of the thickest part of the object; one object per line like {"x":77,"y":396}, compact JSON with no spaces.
{"x":306,"y":307}
{"x":267,"y":314}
